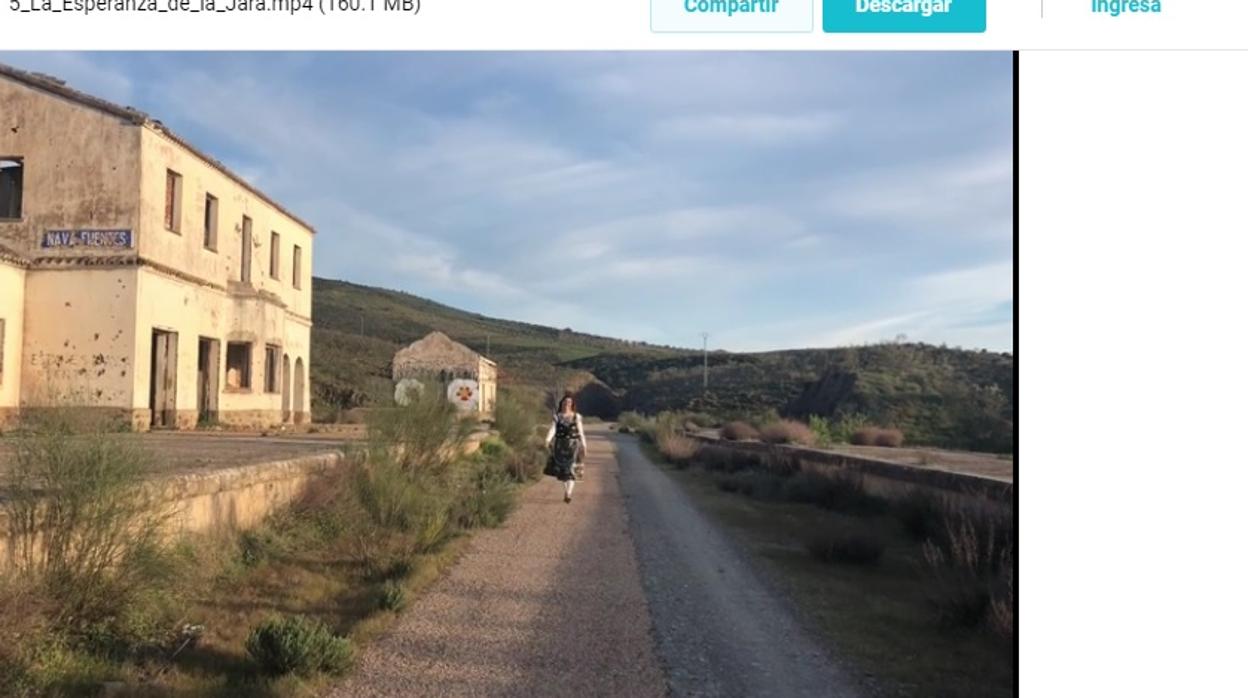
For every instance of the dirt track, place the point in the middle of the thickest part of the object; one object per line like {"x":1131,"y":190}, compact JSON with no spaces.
{"x":627,"y":591}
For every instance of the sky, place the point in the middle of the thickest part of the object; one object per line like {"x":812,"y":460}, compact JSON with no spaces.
{"x":772,"y":200}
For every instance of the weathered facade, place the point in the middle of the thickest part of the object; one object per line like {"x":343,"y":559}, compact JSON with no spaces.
{"x":139,"y":278}
{"x":437,"y":362}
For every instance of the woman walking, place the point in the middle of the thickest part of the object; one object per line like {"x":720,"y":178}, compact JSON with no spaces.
{"x":566,"y":441}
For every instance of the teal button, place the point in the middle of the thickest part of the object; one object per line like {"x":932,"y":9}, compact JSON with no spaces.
{"x":904,"y":16}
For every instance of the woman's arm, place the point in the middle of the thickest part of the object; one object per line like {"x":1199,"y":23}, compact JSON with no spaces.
{"x":550,"y":433}
{"x":580,"y":429}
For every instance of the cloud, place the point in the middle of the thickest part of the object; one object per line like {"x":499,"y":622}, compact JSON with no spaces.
{"x":626,"y":193}
{"x":750,"y":128}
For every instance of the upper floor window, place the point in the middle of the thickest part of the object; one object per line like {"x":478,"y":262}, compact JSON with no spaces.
{"x":210,"y":222}
{"x":173,"y":201}
{"x":296,"y":270}
{"x":10,"y":187}
{"x":275,"y":255}
{"x":244,"y":259}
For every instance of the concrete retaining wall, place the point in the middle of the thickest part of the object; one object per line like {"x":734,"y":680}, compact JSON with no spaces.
{"x":879,"y":477}
{"x":227,"y":499}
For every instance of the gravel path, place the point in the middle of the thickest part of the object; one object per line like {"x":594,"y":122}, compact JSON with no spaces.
{"x":720,"y":630}
{"x":550,"y":604}
{"x":627,"y":591}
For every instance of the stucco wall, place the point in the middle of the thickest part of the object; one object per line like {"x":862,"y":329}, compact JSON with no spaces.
{"x":79,"y":338}
{"x":193,"y":311}
{"x":185,"y":251}
{"x":12,"y":308}
{"x":81,"y":168}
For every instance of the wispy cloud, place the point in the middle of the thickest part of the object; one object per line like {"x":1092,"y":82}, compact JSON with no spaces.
{"x":642,"y":195}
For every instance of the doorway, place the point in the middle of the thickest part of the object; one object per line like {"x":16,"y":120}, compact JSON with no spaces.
{"x":208,"y":379}
{"x":163,"y":396}
{"x":299,"y":408}
{"x":286,"y":387}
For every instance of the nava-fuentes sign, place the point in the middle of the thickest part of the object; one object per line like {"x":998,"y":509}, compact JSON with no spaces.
{"x":88,"y":238}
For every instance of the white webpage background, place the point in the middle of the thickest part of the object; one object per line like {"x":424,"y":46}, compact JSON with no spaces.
{"x":1132,"y":303}
{"x":609,"y":24}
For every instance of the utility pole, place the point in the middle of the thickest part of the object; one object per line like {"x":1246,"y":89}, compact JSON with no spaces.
{"x":487,"y":344}
{"x":705,"y":377}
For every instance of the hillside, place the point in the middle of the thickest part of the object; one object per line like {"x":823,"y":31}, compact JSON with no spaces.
{"x":358,"y":328}
{"x":937,"y":395}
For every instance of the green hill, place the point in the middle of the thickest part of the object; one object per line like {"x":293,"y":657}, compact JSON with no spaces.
{"x":938,"y":396}
{"x":358,"y":328}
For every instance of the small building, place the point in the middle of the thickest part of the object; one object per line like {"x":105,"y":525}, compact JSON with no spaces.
{"x":140,"y":278}
{"x":437,"y":362}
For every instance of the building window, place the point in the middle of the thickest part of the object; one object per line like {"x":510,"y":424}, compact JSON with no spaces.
{"x":296,"y":271}
{"x":210,"y":222}
{"x":272,"y":354}
{"x":244,"y":263}
{"x":10,"y":187}
{"x":238,"y":366}
{"x":173,"y":201}
{"x":275,"y":255}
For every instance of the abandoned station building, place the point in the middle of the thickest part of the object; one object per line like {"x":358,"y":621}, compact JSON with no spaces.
{"x":437,"y":362}
{"x":139,"y":278}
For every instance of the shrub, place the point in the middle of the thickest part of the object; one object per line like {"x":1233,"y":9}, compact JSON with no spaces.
{"x":787,"y":431}
{"x":680,"y":450}
{"x":83,"y":498}
{"x":840,"y":492}
{"x":921,"y":513}
{"x":515,"y":418}
{"x":727,"y":459}
{"x":488,"y":498}
{"x":892,"y":438}
{"x":738,"y":431}
{"x":1001,"y":607}
{"x":525,"y":464}
{"x":752,"y":483}
{"x":413,"y":509}
{"x":299,"y":645}
{"x":632,"y":421}
{"x":842,"y":430}
{"x":822,"y":430}
{"x":875,"y":436}
{"x":493,"y":449}
{"x":970,"y":562}
{"x":392,"y":597}
{"x":852,"y":549}
{"x":427,"y":434}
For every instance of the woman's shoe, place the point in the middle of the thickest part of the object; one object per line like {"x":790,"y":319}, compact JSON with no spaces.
{"x":567,"y":499}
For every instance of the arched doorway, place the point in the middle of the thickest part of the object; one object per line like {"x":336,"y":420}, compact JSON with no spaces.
{"x":286,"y":387}
{"x":300,"y":409}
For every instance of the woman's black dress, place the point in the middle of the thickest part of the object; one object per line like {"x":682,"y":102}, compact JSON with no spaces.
{"x":564,"y":451}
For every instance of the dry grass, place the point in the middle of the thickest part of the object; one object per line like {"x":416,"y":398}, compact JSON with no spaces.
{"x":677,"y":448}
{"x":739,"y":431}
{"x":787,"y":431}
{"x":878,"y":616}
{"x":850,"y":549}
{"x":875,"y":436}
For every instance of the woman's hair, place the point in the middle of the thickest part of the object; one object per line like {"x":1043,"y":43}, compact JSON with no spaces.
{"x":568,"y":399}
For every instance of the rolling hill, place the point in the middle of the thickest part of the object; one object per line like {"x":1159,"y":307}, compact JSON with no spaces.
{"x":939,"y":396}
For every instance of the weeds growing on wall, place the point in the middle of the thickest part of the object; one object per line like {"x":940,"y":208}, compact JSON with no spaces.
{"x":110,"y":597}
